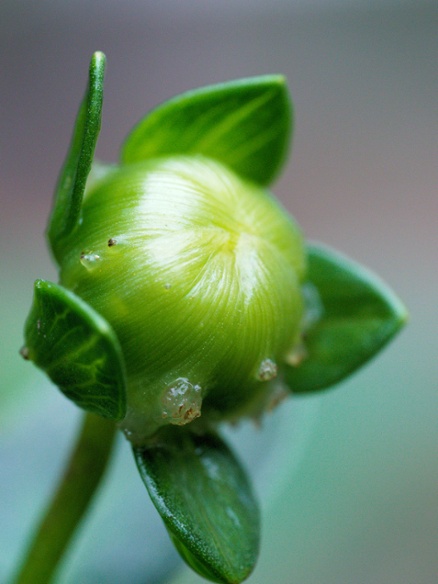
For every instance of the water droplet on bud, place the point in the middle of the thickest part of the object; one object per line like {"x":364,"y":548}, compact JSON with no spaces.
{"x":90,"y":260}
{"x":181,"y":402}
{"x":267,"y":370}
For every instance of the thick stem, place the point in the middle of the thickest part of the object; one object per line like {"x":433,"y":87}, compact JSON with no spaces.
{"x":82,"y":475}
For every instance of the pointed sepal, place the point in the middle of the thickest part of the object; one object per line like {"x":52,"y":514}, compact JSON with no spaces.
{"x":244,"y":124}
{"x":353,"y":315}
{"x":77,"y":349}
{"x":205,"y":500}
{"x":73,"y":178}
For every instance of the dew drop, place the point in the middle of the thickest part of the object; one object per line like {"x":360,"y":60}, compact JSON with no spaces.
{"x":181,"y":401}
{"x":267,"y":370}
{"x":90,"y":260}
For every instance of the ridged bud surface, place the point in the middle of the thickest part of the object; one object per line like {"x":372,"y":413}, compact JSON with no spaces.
{"x":199,"y":273}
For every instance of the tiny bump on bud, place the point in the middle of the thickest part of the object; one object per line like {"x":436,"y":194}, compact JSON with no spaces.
{"x":24,"y":352}
{"x":297,"y":355}
{"x":278,"y":395}
{"x":267,"y":370}
{"x":181,"y":402}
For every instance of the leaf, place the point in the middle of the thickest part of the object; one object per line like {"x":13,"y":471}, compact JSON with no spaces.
{"x":244,"y":124}
{"x":77,"y":349}
{"x":359,"y":314}
{"x":205,"y":500}
{"x":71,"y":184}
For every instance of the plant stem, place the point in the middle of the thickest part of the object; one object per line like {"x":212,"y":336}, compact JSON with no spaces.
{"x":88,"y":461}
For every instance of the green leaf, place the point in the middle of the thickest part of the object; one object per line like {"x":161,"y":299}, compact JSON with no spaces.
{"x":358,"y":315}
{"x":244,"y":124}
{"x":77,"y":349}
{"x":205,"y":500}
{"x":71,"y":184}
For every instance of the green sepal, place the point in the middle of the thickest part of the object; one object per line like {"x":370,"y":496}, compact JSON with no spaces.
{"x":355,"y":315}
{"x":72,"y":180}
{"x":244,"y":124}
{"x":77,"y":349}
{"x":205,"y":500}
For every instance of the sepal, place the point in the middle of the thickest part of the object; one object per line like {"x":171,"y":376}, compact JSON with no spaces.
{"x":205,"y":500}
{"x":73,"y":178}
{"x":244,"y":124}
{"x":77,"y":349}
{"x":354,"y":316}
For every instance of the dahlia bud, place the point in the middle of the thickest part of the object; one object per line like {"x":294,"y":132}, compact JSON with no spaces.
{"x":199,"y":273}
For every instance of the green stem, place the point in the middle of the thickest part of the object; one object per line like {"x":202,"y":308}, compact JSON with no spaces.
{"x":82,"y":475}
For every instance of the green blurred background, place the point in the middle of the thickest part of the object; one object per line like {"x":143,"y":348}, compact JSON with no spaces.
{"x":348,"y":479}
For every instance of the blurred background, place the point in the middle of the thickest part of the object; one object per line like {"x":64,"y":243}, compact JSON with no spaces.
{"x":348,"y":479}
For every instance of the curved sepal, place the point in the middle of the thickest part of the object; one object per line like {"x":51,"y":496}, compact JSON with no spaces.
{"x":77,"y":349}
{"x":205,"y":500}
{"x":72,"y":180}
{"x":356,"y":315}
{"x":244,"y":124}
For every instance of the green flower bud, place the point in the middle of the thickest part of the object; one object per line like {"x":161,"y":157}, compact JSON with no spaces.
{"x":199,"y":273}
